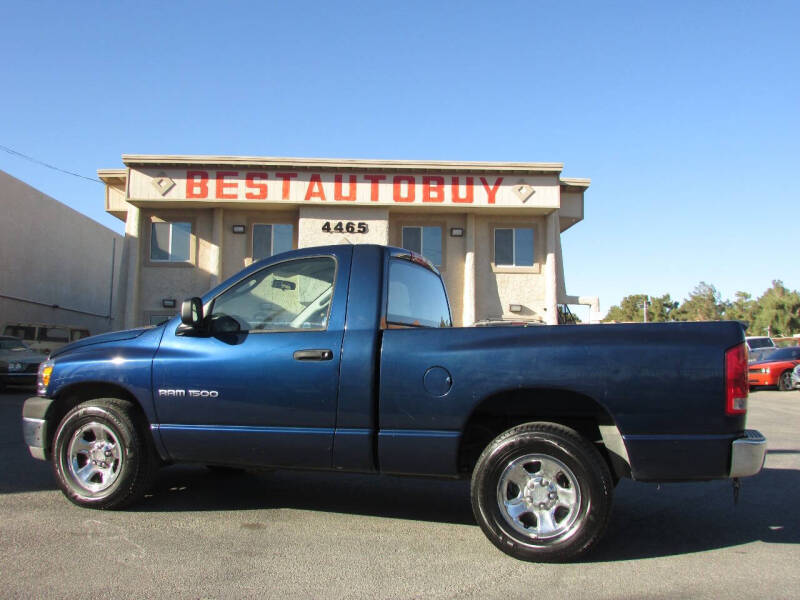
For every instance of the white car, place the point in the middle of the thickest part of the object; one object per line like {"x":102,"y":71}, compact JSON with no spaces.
{"x":759,"y":341}
{"x":796,"y":377}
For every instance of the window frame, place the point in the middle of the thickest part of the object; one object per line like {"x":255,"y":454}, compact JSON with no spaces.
{"x":417,"y":225}
{"x":538,"y":249}
{"x":208,"y":306}
{"x":170,"y":218}
{"x":272,"y":224}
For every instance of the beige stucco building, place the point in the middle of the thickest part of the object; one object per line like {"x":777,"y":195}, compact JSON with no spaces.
{"x":493,"y":229}
{"x":58,"y":268}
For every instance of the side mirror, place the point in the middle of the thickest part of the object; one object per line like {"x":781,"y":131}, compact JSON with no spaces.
{"x":192,"y":312}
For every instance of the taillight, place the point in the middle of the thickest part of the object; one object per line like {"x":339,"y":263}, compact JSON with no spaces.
{"x":736,"y":388}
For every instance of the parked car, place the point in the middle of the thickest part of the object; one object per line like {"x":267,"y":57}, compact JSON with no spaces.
{"x":796,"y":377}
{"x":775,"y":370}
{"x":18,"y":363}
{"x":759,"y":341}
{"x":760,"y":354}
{"x":44,"y":337}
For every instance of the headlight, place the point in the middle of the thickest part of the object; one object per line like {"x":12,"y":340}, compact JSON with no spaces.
{"x":765,"y":370}
{"x":43,"y":377}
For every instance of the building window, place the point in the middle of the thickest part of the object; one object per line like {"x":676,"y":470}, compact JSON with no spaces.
{"x":272,"y":239}
{"x":170,"y":242}
{"x":426,"y":241}
{"x":513,"y":247}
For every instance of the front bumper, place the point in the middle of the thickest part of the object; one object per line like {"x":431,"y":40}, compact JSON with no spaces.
{"x":34,"y":425}
{"x":748,"y":454}
{"x":761,"y":380}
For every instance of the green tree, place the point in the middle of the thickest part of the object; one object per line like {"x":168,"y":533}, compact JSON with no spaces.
{"x":743,"y":308}
{"x":631,"y":309}
{"x":778,"y":312}
{"x":661,"y":309}
{"x":703,"y":304}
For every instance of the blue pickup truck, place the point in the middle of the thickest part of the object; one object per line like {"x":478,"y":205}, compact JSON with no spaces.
{"x":344,"y":358}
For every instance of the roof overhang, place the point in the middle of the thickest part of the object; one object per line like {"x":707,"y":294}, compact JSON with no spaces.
{"x":150,"y":160}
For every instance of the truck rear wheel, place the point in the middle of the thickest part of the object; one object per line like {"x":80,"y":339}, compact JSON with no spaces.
{"x":542,"y":492}
{"x":101,"y":456}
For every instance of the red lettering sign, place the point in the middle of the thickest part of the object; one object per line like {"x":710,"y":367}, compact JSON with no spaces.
{"x":259,"y":190}
{"x":373,"y":188}
{"x":287,"y":182}
{"x":351,"y":188}
{"x":196,"y":184}
{"x":315,"y":188}
{"x":222,"y":185}
{"x":432,"y":188}
{"x":492,"y":192}
{"x":398,"y":182}
{"x":468,"y":197}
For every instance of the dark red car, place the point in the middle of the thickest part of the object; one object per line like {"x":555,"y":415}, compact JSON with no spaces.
{"x":774,"y":370}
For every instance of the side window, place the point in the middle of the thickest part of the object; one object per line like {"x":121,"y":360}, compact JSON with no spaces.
{"x":269,"y":240}
{"x":53,"y":334}
{"x":21,"y":331}
{"x":295,"y":294}
{"x":426,"y":241}
{"x":170,"y":242}
{"x":416,"y":296}
{"x":513,"y":246}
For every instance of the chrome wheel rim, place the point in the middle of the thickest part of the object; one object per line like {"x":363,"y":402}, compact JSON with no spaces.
{"x":94,"y":457}
{"x":539,"y":496}
{"x":786,"y":381}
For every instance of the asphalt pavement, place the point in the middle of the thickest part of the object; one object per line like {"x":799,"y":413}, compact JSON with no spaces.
{"x":204,"y":534}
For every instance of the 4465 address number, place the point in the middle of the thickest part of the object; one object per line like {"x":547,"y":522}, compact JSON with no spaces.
{"x":345,"y":227}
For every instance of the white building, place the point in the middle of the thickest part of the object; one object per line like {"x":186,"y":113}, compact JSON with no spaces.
{"x":59,"y":267}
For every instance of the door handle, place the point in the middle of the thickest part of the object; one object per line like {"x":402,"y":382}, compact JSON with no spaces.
{"x":313,"y":355}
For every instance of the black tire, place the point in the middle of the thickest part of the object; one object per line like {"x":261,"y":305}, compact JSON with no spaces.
{"x":785,"y":381}
{"x":102,"y":456}
{"x":565,"y":477}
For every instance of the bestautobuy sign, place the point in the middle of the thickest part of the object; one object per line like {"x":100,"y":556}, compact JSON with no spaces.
{"x":308,"y":187}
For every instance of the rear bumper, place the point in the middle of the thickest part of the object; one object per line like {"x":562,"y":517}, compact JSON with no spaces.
{"x":695,"y":457}
{"x":748,"y":454}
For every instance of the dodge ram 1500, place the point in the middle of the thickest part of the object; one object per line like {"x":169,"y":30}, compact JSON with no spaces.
{"x":344,"y":358}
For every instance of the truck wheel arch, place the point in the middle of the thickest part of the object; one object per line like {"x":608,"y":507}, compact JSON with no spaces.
{"x":71,"y":396}
{"x":500,"y":412}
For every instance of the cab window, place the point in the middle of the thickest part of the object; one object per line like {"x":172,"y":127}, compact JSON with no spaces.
{"x":417,"y":297}
{"x":292,"y":295}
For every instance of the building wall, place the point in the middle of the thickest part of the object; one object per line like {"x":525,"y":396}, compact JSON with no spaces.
{"x":53,"y":255}
{"x":374,"y":199}
{"x":502,"y":286}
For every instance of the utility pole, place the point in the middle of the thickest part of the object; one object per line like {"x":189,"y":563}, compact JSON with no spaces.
{"x":646,"y":302}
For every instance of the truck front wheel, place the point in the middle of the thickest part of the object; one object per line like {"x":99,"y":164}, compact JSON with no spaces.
{"x":542,"y":492}
{"x":101,"y":457}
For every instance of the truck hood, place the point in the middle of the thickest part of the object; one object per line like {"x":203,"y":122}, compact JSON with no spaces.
{"x":114,"y":336}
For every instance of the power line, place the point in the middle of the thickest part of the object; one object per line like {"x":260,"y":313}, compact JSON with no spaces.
{"x":44,"y":164}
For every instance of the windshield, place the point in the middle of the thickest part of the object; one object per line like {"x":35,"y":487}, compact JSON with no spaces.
{"x":761,"y":342}
{"x":10,"y":344}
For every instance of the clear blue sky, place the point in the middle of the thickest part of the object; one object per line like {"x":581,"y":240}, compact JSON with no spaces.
{"x":685,"y":115}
